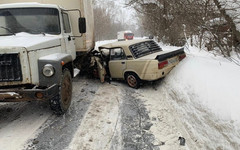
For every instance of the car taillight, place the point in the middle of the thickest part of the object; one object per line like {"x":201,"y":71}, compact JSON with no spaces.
{"x":162,"y":64}
{"x":181,"y":57}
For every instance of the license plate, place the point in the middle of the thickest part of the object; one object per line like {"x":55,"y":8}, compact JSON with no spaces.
{"x":172,"y":60}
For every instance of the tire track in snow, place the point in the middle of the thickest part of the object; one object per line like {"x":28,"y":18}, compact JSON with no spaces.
{"x":59,"y":131}
{"x":100,"y":124}
{"x":136,"y":123}
{"x":20,"y":121}
{"x":167,"y":126}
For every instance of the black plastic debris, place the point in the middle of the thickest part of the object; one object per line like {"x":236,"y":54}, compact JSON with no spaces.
{"x":182,"y":141}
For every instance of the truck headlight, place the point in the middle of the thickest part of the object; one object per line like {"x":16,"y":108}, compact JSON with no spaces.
{"x":48,"y":70}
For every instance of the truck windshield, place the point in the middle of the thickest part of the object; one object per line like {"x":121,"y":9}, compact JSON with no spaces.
{"x":30,"y":20}
{"x":144,"y":48}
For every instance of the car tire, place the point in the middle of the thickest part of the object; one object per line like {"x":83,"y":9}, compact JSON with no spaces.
{"x":62,"y":101}
{"x":132,"y":80}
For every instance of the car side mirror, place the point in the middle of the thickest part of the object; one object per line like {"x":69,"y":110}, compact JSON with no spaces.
{"x":82,"y":25}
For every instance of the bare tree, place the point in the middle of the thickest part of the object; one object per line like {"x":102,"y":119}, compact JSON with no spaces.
{"x":210,"y":20}
{"x":167,"y":18}
{"x":107,"y":20}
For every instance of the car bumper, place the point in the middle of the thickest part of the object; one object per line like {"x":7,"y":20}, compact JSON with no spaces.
{"x":156,"y":75}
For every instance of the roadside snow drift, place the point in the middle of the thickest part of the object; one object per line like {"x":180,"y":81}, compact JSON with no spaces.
{"x":211,"y":81}
{"x":204,"y":89}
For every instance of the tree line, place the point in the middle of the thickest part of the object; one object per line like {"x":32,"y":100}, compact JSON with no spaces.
{"x":203,"y":23}
{"x":109,"y":19}
{"x":178,"y":21}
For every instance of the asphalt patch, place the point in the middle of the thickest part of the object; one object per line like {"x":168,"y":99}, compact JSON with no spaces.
{"x":136,"y":124}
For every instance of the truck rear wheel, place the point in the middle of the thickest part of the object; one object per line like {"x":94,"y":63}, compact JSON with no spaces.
{"x":132,"y":80}
{"x":61,"y":102}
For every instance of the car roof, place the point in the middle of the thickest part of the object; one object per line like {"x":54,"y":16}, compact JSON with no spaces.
{"x":123,"y":43}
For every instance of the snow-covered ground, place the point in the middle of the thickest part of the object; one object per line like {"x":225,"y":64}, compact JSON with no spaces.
{"x":210,"y":81}
{"x":206,"y":90}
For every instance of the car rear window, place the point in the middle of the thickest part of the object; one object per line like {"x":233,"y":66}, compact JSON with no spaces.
{"x":144,"y":48}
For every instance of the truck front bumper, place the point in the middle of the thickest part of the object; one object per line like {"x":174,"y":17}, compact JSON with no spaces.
{"x":17,"y":95}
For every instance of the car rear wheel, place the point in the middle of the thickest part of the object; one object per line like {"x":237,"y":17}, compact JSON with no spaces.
{"x":61,"y":102}
{"x":133,"y":80}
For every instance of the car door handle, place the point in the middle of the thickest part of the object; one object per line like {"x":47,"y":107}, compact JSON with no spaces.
{"x":69,"y":38}
{"x":123,"y":62}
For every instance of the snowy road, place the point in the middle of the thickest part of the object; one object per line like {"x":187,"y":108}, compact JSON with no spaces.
{"x":111,"y":116}
{"x":102,"y":116}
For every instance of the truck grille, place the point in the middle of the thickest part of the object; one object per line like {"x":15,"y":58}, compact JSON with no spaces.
{"x":10,"y":68}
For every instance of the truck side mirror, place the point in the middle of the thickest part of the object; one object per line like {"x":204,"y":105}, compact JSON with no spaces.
{"x":82,"y":25}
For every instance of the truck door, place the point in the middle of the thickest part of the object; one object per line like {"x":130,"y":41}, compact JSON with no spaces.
{"x":117,"y":63}
{"x":69,"y":42}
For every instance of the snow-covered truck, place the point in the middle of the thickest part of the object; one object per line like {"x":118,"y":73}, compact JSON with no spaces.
{"x":40,"y":43}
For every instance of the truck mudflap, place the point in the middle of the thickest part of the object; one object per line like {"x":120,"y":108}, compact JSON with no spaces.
{"x":170,"y":54}
{"x":18,"y":95}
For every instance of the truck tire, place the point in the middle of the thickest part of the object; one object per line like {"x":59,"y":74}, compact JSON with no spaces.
{"x":132,"y":80}
{"x":61,"y":102}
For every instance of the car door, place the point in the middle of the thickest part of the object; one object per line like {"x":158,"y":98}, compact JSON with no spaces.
{"x":117,"y":63}
{"x":69,"y":42}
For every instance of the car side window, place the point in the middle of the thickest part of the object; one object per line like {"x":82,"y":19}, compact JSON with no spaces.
{"x":117,"y":54}
{"x":66,"y":23}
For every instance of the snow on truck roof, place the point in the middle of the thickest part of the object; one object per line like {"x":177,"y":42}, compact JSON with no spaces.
{"x":123,"y":43}
{"x":31,"y":4}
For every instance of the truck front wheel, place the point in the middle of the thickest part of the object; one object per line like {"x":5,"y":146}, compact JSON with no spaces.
{"x":61,"y":102}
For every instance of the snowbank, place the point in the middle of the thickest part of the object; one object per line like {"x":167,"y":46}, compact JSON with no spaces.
{"x":211,"y":81}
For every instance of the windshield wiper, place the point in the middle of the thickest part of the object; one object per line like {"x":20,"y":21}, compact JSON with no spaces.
{"x":9,"y":30}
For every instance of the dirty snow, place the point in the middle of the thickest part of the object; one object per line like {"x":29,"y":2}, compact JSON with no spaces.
{"x":98,"y":126}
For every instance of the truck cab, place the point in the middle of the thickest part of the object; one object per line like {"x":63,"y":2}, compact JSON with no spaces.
{"x":37,"y":51}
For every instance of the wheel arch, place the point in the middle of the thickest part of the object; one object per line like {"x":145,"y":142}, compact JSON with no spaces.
{"x":70,"y":67}
{"x":59,"y":61}
{"x":128,"y":72}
